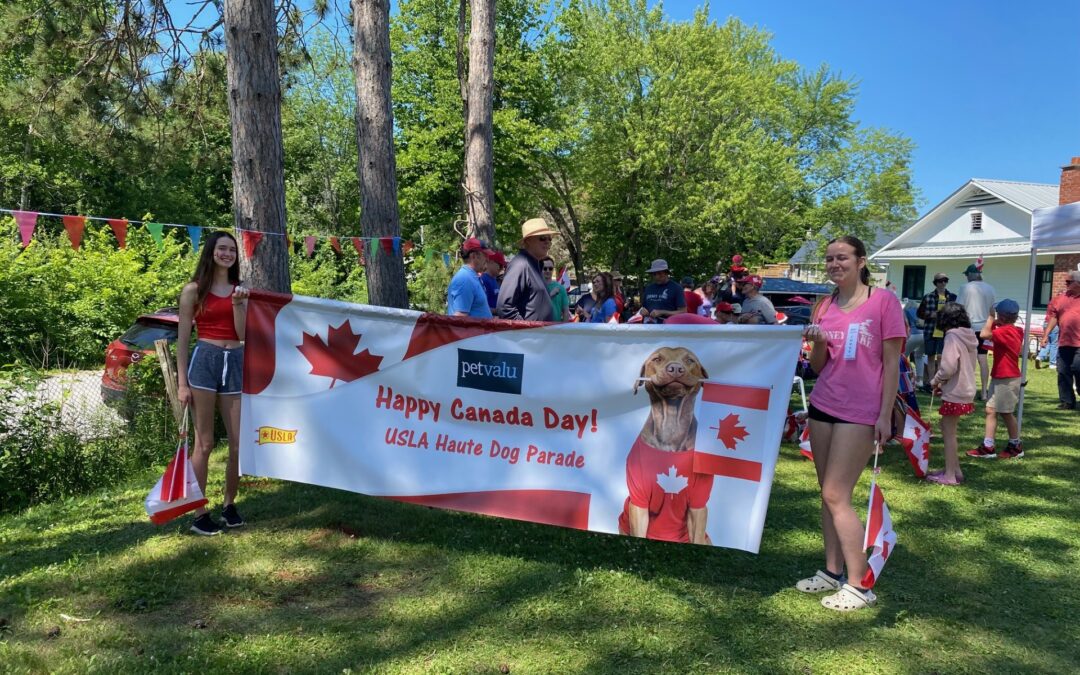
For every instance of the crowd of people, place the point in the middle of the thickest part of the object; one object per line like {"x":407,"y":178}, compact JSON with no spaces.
{"x":526,"y":288}
{"x":855,"y":340}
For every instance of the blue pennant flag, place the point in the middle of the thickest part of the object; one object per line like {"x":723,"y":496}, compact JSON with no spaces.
{"x":397,"y":246}
{"x":194,"y":232}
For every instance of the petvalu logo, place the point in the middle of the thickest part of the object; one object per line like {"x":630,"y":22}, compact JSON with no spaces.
{"x":275,"y":435}
{"x":490,"y":371}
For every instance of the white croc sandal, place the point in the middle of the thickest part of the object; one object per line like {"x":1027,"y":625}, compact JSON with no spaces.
{"x":849,"y":599}
{"x":819,"y":583}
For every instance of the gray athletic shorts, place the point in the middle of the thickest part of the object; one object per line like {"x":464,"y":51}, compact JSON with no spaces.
{"x":213,"y":368}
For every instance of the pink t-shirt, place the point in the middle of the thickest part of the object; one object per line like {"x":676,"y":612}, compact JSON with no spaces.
{"x":849,"y":386}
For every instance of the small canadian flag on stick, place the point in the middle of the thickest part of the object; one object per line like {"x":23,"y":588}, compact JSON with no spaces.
{"x":916,"y":442}
{"x":879,"y":535}
{"x":176,"y":492}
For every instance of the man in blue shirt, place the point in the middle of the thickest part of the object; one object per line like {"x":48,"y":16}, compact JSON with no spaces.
{"x":663,"y":297}
{"x":466,"y":296}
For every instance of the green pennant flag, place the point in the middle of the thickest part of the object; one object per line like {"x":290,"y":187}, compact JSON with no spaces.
{"x":374,"y":247}
{"x":428,"y":254}
{"x":155,"y":232}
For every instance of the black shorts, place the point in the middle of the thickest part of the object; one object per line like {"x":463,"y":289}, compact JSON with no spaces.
{"x":819,"y":415}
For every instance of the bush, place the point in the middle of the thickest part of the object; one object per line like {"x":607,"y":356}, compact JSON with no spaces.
{"x":45,"y":458}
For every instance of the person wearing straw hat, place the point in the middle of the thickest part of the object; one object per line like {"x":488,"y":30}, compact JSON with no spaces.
{"x":523,"y":295}
{"x":663,"y":297}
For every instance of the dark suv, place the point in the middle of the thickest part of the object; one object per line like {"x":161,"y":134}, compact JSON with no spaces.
{"x":135,"y":343}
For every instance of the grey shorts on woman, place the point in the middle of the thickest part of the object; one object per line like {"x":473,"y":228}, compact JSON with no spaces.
{"x":213,"y":368}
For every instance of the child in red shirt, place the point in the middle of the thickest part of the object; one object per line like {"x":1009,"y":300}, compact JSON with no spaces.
{"x":1004,"y":381}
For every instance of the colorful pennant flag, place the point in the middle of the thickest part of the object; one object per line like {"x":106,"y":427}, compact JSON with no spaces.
{"x":336,"y":244}
{"x":916,"y":442}
{"x":194,"y":233}
{"x":358,"y":244}
{"x":251,"y":241}
{"x":879,"y":535}
{"x":407,"y":247}
{"x":397,"y":246}
{"x":27,"y":221}
{"x":374,"y":247}
{"x":446,"y":259}
{"x":119,"y":227}
{"x":309,"y":245}
{"x":75,"y":225}
{"x":387,"y":244}
{"x":155,"y":232}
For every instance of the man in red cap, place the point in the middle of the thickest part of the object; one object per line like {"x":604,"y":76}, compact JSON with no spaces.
{"x":489,"y":277}
{"x":465,"y":296}
{"x":755,"y":302}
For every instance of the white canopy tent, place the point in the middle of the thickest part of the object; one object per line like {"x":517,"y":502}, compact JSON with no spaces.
{"x":1054,"y":228}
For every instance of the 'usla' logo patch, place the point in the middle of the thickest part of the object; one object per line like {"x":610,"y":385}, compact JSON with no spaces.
{"x":274,"y":435}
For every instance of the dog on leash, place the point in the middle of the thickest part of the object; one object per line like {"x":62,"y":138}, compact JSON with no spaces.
{"x":667,"y":500}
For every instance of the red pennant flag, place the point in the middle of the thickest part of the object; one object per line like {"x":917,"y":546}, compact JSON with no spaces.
{"x":879,"y":535}
{"x":119,"y":227}
{"x":358,"y":244}
{"x":251,"y":240}
{"x":407,"y":247}
{"x":309,"y":246}
{"x":75,"y":226}
{"x":387,"y":244}
{"x":916,"y":442}
{"x":336,"y":244}
{"x":27,"y":221}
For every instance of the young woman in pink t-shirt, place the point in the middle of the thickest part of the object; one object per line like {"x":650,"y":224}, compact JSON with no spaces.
{"x":857,"y":336}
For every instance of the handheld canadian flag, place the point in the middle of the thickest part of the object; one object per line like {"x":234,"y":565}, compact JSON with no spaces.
{"x":879,"y":535}
{"x":804,"y":443}
{"x":176,"y":492}
{"x":916,"y":441}
{"x":737,"y":432}
{"x":564,"y":277}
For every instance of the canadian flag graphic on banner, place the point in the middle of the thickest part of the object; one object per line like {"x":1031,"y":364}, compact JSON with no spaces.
{"x":733,"y":421}
{"x":916,"y":442}
{"x":879,"y":535}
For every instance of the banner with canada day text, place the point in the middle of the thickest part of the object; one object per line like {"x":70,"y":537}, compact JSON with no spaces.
{"x":669,"y":432}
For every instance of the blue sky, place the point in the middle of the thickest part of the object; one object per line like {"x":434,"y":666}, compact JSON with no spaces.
{"x":985,"y":89}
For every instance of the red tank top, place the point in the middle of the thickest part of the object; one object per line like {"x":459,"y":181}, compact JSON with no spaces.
{"x":215,"y":321}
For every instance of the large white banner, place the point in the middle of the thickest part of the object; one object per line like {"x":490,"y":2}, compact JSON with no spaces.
{"x":670,"y":432}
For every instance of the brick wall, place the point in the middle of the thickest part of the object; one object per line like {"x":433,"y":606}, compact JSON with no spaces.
{"x":1068,"y":193}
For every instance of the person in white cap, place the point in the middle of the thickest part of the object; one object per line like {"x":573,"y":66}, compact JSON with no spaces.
{"x":663,"y":297}
{"x":523,"y":295}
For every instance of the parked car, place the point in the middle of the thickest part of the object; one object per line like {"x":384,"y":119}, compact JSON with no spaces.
{"x":130,"y":347}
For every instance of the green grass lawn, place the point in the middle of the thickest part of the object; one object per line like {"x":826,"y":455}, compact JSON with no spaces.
{"x":983,"y":581}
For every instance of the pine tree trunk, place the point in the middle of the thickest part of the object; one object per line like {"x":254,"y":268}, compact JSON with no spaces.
{"x":479,"y":172}
{"x":258,"y":158}
{"x":375,"y":138}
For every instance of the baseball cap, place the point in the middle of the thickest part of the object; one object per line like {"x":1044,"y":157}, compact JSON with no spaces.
{"x":688,"y":281}
{"x":723,"y":307}
{"x":496,"y":256}
{"x":754,"y":279}
{"x":472,"y":244}
{"x":940,"y":276}
{"x":972,"y":269}
{"x":1007,"y":306}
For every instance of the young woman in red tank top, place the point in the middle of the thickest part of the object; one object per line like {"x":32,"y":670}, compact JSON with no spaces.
{"x":214,"y":303}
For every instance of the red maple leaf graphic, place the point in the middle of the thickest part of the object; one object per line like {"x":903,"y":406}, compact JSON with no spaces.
{"x":335,"y":358}
{"x":730,"y":431}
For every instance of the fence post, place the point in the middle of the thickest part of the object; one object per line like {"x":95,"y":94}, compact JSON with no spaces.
{"x":168,"y":371}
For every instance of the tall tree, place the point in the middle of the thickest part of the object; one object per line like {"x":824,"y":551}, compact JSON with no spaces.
{"x":479,"y":169}
{"x":375,"y":143}
{"x":258,"y":158}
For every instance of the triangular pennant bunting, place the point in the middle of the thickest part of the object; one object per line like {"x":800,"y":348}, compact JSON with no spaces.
{"x":75,"y":226}
{"x":336,"y":244}
{"x":309,"y":246}
{"x":407,"y":247}
{"x":194,"y":233}
{"x":119,"y":227}
{"x":358,"y":244}
{"x":251,"y":241}
{"x":155,"y":232}
{"x":387,"y":244}
{"x":397,"y":246}
{"x":374,"y":247}
{"x":27,"y":221}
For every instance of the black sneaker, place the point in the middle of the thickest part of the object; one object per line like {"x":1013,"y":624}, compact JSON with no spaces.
{"x":232,"y":516}
{"x":205,"y":526}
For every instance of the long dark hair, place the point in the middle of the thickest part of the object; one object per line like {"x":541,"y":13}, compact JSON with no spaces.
{"x":860,"y":252}
{"x":952,"y":315}
{"x":609,"y":287}
{"x":204,"y":270}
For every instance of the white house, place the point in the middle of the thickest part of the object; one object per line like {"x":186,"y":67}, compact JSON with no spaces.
{"x":987,"y":218}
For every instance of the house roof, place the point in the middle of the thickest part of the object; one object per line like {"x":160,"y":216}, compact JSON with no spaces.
{"x":808,"y":252}
{"x":1024,"y":196}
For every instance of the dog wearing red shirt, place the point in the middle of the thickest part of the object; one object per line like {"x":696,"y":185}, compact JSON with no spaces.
{"x":667,"y":500}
